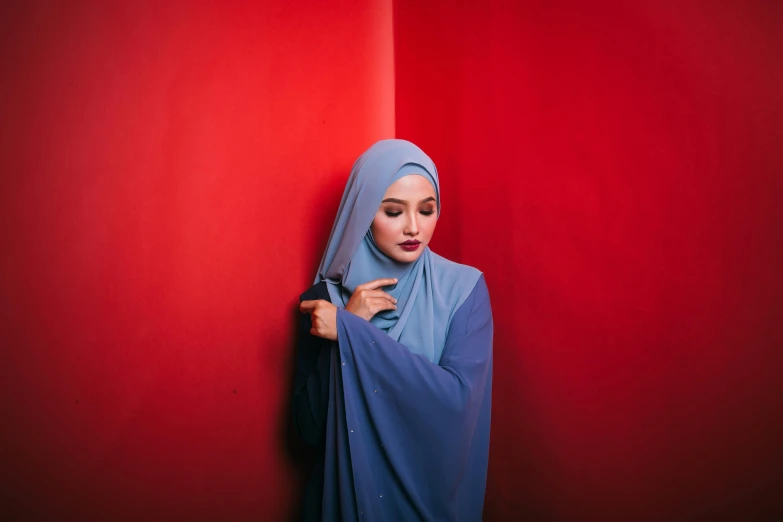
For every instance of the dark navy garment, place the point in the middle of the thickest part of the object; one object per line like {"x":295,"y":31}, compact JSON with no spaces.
{"x":311,"y":400}
{"x":399,"y":438}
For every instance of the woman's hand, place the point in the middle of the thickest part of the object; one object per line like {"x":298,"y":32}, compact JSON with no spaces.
{"x":323,"y":318}
{"x":367,"y":300}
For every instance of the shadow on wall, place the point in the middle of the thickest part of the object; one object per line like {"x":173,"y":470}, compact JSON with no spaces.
{"x":320,"y":217}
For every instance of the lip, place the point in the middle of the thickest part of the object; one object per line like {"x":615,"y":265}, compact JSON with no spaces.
{"x":410,"y":245}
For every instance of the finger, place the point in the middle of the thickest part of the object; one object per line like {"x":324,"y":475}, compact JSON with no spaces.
{"x":389,"y":297}
{"x":381,"y":303}
{"x":308,"y":306}
{"x":377,"y":283}
{"x":372,"y":294}
{"x":315,"y":327}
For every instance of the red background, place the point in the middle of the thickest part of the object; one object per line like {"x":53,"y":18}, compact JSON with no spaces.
{"x":169,"y":177}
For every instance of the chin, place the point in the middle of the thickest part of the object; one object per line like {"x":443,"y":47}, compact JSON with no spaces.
{"x":407,"y":257}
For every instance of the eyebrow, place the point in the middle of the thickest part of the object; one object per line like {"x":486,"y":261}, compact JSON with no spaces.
{"x":402,"y":202}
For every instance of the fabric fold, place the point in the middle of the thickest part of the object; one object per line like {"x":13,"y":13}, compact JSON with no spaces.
{"x":417,"y":432}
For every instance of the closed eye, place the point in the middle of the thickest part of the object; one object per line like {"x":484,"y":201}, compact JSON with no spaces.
{"x":427,"y":212}
{"x":392,"y":214}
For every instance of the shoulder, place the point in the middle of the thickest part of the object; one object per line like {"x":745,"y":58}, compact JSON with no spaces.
{"x":454,"y":269}
{"x":456,"y":275}
{"x":461,"y":286}
{"x":475,"y":312}
{"x":317,"y":291}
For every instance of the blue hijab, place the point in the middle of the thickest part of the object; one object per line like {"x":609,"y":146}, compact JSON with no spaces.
{"x":428,"y":291}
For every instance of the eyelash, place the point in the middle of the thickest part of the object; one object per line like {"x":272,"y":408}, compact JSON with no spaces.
{"x":422,"y":212}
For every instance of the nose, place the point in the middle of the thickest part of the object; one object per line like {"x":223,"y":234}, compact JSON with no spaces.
{"x":412,"y":225}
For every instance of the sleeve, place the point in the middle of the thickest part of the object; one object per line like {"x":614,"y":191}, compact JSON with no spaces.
{"x":311,"y":382}
{"x":424,"y":427}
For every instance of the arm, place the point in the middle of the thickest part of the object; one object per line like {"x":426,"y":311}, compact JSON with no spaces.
{"x":317,"y":330}
{"x":311,"y":382}
{"x":422,"y":411}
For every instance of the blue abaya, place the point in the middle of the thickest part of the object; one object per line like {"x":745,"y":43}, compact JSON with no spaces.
{"x":399,"y":438}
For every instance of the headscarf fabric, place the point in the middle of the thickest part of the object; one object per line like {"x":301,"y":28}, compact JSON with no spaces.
{"x":428,"y":290}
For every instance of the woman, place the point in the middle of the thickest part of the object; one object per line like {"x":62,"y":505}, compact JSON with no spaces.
{"x":394,"y":365}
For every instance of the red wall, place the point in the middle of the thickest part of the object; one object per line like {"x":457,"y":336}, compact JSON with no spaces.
{"x":616,"y":171}
{"x":169,"y":175}
{"x":169,"y":178}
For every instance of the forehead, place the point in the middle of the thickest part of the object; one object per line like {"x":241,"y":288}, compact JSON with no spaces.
{"x":413,"y":186}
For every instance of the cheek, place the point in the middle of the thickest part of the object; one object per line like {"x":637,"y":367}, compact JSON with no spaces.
{"x":429,"y":226}
{"x":382,"y":227}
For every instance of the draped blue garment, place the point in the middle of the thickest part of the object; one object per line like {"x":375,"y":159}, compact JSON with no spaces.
{"x":428,"y":292}
{"x":407,"y":439}
{"x":407,"y":421}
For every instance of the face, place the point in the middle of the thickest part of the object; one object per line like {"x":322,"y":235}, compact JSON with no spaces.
{"x":405,"y":221}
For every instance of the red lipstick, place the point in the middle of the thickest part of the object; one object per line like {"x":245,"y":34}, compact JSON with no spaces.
{"x":410,"y":245}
